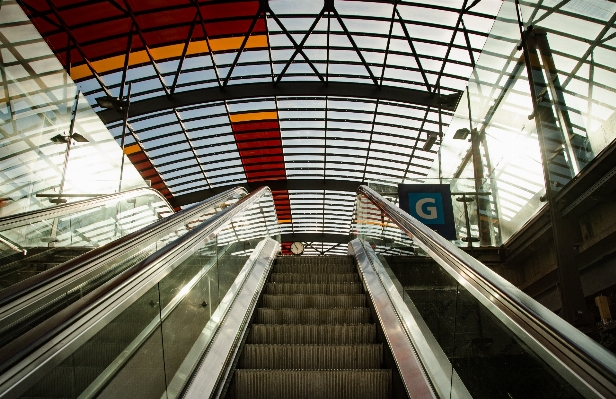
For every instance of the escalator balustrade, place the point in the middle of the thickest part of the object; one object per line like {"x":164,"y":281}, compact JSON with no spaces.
{"x":313,"y":336}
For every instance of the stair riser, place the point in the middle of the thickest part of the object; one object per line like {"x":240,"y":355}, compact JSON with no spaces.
{"x":326,"y":289}
{"x":314,"y":301}
{"x":311,"y":384}
{"x":311,"y":260}
{"x":313,"y":316}
{"x":314,"y":269}
{"x":314,"y":278}
{"x":311,"y":357}
{"x":312,"y":334}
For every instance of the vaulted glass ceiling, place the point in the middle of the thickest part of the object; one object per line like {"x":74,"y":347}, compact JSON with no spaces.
{"x":310,"y":98}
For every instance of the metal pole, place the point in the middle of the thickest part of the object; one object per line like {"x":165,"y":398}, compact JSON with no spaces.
{"x":68,"y":144}
{"x":468,"y":223}
{"x":125,"y":106}
{"x":478,"y":173}
{"x":564,"y":231}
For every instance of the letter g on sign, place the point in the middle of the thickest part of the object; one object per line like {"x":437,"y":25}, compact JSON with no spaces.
{"x":430,"y":210}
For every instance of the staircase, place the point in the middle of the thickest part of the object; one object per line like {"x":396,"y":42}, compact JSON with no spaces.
{"x":313,"y":336}
{"x":17,"y":267}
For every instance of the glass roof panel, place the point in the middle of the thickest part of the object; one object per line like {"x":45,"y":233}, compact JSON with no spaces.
{"x":246,"y":133}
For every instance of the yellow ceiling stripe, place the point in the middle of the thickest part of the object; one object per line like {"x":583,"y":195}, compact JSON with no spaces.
{"x":166,"y":52}
{"x":131,"y":149}
{"x":253,"y":116}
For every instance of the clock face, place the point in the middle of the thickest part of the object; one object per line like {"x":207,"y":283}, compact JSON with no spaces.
{"x":297,"y":248}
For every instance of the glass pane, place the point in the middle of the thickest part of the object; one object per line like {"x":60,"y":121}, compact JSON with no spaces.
{"x":485,"y":356}
{"x":51,"y":242}
{"x":155,"y":342}
{"x":77,"y":286}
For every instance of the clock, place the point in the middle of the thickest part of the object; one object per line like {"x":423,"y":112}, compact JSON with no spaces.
{"x":297,"y":248}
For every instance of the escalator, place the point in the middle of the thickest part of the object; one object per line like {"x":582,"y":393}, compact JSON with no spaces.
{"x":313,"y":336}
{"x":47,"y":280}
{"x":36,"y":241}
{"x":216,"y":313}
{"x":19,"y":267}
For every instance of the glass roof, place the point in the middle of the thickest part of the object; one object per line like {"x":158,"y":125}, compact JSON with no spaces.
{"x":179,"y":47}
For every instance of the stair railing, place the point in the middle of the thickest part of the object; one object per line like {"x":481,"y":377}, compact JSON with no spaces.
{"x":22,"y":300}
{"x":38,"y":215}
{"x":587,"y":366}
{"x":27,"y":360}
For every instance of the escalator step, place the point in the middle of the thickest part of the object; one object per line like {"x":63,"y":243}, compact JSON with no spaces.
{"x":312,"y":334}
{"x":98,"y":354}
{"x":314,"y":278}
{"x":314,"y":268}
{"x":314,"y":301}
{"x":325,"y":288}
{"x":312,"y":357}
{"x":310,"y":384}
{"x":320,"y":260}
{"x":313,"y":316}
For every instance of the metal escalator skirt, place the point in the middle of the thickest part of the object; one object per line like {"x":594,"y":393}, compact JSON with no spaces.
{"x":584,"y":363}
{"x":65,"y":332}
{"x":26,"y":218}
{"x":24,"y":298}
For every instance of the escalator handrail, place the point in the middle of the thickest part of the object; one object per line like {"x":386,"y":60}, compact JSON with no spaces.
{"x":120,"y":286}
{"x":38,"y":215}
{"x":570,"y":346}
{"x":113,"y":250}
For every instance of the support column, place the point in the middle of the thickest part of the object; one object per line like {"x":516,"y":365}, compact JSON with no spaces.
{"x":556,"y":173}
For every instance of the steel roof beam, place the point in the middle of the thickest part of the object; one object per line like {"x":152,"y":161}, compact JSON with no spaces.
{"x":300,"y":89}
{"x":313,"y":238}
{"x":292,"y":184}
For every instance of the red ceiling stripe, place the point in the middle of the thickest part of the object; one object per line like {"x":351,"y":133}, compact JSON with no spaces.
{"x":269,"y":160}
{"x":260,"y":153}
{"x":266,"y":145}
{"x":258,"y":135}
{"x":256,"y":125}
{"x":145,"y":168}
{"x":285,"y":248}
{"x":260,"y":146}
{"x":102,"y":29}
{"x":283,"y":205}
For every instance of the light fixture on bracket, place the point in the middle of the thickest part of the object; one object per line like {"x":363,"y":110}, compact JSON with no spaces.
{"x":430,"y":141}
{"x":461,"y":134}
{"x":62,"y":139}
{"x":109,"y":102}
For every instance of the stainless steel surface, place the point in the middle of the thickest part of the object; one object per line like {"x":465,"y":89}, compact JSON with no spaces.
{"x":15,"y":247}
{"x":412,"y":371}
{"x":434,"y":360}
{"x":26,"y":218}
{"x":308,"y":351}
{"x":97,"y":385}
{"x":49,"y":344}
{"x":216,"y":345}
{"x":585,"y":364}
{"x":23,"y":298}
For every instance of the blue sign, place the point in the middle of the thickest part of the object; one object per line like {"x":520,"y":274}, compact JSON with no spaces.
{"x":431,"y":205}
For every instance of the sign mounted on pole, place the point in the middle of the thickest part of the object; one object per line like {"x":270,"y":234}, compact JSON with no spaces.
{"x":431,"y":205}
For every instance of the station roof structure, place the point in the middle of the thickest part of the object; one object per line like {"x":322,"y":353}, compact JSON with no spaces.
{"x":311,"y":98}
